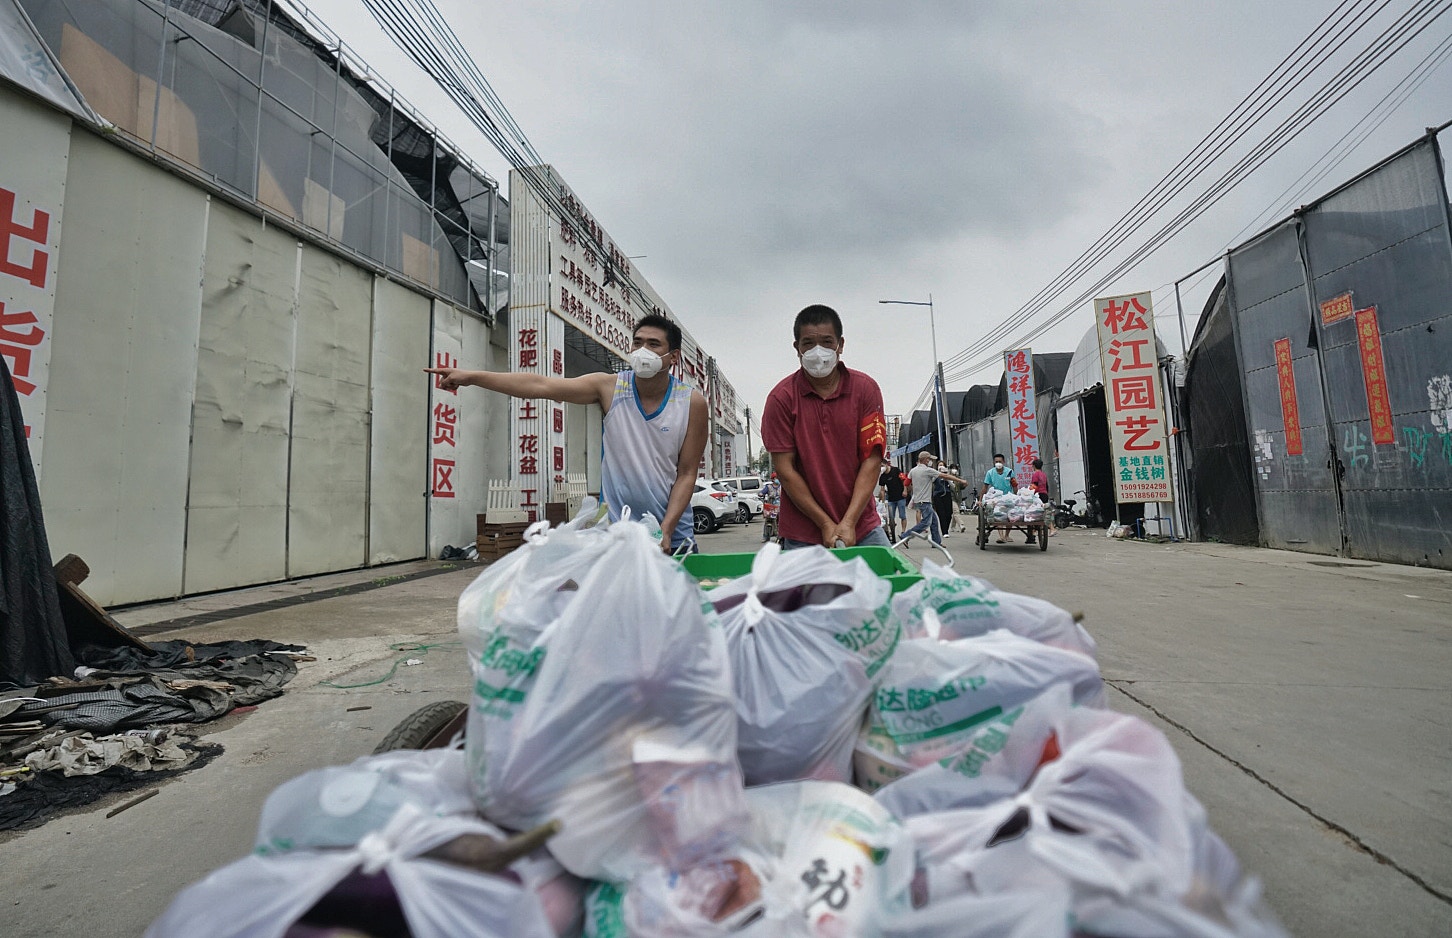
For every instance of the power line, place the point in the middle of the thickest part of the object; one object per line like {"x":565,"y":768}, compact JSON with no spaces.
{"x":1380,"y":50}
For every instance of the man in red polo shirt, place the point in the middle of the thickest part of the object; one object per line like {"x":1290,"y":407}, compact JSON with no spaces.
{"x":824,"y":428}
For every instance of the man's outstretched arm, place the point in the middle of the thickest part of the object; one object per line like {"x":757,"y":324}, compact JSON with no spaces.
{"x":586,"y":389}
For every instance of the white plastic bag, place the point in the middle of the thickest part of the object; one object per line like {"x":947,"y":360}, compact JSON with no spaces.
{"x":947,"y":605}
{"x":602,"y":699}
{"x":1108,"y":814}
{"x":826,"y":862}
{"x":262,"y":896}
{"x":807,"y":633}
{"x":940,"y":700}
{"x":995,"y":762}
{"x":1105,"y":834}
{"x":339,"y":805}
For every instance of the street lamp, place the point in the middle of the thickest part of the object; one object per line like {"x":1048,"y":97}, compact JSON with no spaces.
{"x":937,"y":370}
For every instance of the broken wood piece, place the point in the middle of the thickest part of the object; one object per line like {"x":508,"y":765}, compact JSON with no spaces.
{"x":490,"y":855}
{"x":87,"y":623}
{"x":133,"y":803}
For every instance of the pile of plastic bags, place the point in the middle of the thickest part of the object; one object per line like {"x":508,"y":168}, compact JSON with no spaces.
{"x":1013,"y":507}
{"x":796,"y":753}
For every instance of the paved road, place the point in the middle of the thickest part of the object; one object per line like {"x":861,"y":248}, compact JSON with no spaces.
{"x":1310,"y":701}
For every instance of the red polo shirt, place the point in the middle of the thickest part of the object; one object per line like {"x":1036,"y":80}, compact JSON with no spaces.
{"x":830,"y":438}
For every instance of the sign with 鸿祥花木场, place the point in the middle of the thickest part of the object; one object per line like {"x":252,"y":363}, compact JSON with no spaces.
{"x":1139,"y":442}
{"x":1023,"y":418}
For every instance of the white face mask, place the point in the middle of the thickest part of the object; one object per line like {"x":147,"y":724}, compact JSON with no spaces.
{"x":819,"y":361}
{"x":998,"y":466}
{"x":645,"y":363}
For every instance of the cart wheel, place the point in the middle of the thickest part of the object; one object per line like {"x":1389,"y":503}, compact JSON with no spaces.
{"x":1044,"y":538}
{"x":420,"y":729}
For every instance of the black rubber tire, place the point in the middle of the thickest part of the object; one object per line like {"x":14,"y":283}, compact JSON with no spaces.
{"x":743,"y":514}
{"x":701,"y":521}
{"x":1044,"y":537}
{"x":419,"y":727}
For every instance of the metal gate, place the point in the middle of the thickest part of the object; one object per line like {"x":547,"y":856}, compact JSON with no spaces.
{"x":1343,"y":323}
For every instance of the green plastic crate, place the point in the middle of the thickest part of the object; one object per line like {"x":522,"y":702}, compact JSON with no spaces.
{"x":883,"y":561}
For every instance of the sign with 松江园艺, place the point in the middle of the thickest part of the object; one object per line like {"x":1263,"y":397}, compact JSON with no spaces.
{"x":1139,"y":443}
{"x":1023,"y":419}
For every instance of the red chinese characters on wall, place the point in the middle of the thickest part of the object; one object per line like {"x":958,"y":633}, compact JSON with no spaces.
{"x":1373,"y":374}
{"x":1290,"y":407}
{"x":20,"y":334}
{"x":444,"y":433}
{"x":24,"y":256}
{"x":34,"y":236}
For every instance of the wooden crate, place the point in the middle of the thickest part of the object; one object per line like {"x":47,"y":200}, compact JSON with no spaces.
{"x":494,"y":545}
{"x":483,"y":526}
{"x":556,"y":512}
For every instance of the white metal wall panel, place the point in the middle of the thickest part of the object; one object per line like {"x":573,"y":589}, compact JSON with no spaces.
{"x":398,"y":475}
{"x":123,"y":366}
{"x":328,"y":475}
{"x":237,"y":501}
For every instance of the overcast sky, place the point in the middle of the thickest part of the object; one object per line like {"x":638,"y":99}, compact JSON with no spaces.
{"x":767,"y":155}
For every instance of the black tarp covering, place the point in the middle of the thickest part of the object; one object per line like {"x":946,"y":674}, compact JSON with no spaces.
{"x":1214,"y":407}
{"x":978,"y":403}
{"x":33,"y":643}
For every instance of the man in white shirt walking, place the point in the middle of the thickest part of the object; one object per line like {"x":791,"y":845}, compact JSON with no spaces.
{"x":922,"y":476}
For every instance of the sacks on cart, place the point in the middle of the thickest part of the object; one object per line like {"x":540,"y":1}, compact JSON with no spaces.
{"x":1104,"y":835}
{"x":602,"y":699}
{"x":807,"y":633}
{"x":953,"y":702}
{"x":948,"y":605}
{"x":823,"y":861}
{"x":339,"y":828}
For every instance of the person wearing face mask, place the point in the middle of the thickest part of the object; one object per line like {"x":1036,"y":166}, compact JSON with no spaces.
{"x":1000,"y":477}
{"x":925,"y":477}
{"x":824,"y":427}
{"x":655,"y":426}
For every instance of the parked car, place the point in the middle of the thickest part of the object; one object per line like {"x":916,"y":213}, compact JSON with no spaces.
{"x":748,"y":504}
{"x":744,"y":485}
{"x":711,"y":507}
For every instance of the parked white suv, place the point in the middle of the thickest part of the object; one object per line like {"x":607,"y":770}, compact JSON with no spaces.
{"x":748,"y":503}
{"x":711,"y":507}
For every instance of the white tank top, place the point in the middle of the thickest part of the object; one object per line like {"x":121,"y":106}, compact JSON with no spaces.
{"x":640,"y":450}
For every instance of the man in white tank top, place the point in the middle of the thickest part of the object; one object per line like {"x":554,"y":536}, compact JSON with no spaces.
{"x":655,"y":426}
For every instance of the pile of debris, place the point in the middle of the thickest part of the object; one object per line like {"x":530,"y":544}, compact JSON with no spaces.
{"x":796,"y":753}
{"x":112,"y":725}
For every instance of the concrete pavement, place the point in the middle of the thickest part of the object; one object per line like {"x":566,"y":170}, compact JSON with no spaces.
{"x":1310,"y":700}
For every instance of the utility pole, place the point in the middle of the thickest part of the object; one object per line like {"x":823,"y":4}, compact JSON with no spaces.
{"x":938,"y":387}
{"x":749,"y":460}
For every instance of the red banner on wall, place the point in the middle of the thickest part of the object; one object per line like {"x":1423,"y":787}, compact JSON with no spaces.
{"x":1290,"y":409}
{"x":1373,"y":372}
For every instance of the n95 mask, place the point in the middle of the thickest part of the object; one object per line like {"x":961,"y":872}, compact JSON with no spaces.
{"x":645,"y":363}
{"x":819,"y":361}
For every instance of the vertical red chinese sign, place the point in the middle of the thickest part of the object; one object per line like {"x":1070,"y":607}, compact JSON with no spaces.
{"x":1373,"y":373}
{"x":1023,"y":419}
{"x":444,"y":422}
{"x":32,"y":186}
{"x":1139,"y":443}
{"x":1290,"y":409}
